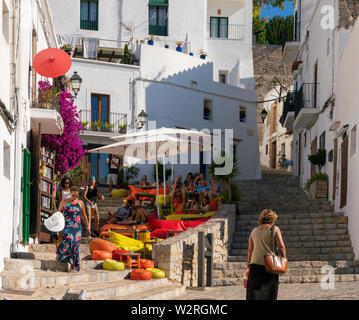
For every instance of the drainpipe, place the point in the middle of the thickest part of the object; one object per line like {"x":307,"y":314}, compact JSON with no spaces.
{"x":13,"y":103}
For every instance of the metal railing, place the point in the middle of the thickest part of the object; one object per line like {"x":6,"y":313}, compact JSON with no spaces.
{"x":230,"y":31}
{"x":50,"y":104}
{"x":89,"y":25}
{"x":116,"y":122}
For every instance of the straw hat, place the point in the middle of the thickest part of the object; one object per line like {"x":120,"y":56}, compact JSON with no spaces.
{"x":56,"y":222}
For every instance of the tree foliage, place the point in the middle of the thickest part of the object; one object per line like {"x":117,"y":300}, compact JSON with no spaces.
{"x":259,"y":4}
{"x":279,"y":28}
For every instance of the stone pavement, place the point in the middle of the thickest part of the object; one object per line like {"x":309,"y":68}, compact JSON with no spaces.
{"x":310,"y":291}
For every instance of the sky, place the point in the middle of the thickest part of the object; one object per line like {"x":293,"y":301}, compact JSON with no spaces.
{"x":270,"y":12}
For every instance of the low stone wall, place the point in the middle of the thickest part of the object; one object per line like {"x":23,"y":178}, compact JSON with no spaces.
{"x":177,"y":255}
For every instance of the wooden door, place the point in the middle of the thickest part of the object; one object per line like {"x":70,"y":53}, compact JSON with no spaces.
{"x":335,"y":160}
{"x":344,"y":173}
{"x":300,"y":154}
{"x":313,"y":150}
{"x":273,"y":157}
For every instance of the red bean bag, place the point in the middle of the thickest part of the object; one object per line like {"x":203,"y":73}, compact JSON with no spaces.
{"x":214,"y":205}
{"x":159,"y":233}
{"x":146,"y":263}
{"x":195,"y":223}
{"x":103,"y":245}
{"x":167,"y":224}
{"x":116,"y":254}
{"x":101,"y":255}
{"x":140,"y":274}
{"x":153,"y":191}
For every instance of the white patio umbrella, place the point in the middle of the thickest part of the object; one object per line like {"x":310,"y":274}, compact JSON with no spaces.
{"x":154,"y":145}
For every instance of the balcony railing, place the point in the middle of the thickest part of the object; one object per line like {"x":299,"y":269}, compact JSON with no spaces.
{"x":50,"y":104}
{"x":230,"y":31}
{"x":306,"y":97}
{"x":116,"y":122}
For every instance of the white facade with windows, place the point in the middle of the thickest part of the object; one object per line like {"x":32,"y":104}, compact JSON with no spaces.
{"x":173,"y":88}
{"x":320,"y":109}
{"x":25,"y":28}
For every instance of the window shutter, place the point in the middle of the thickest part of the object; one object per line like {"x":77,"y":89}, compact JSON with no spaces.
{"x":26,"y":197}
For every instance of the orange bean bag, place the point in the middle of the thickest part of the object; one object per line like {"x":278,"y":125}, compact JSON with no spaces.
{"x":153,"y":191}
{"x":103,"y":245}
{"x":101,"y":255}
{"x":146,"y":263}
{"x":140,"y":274}
{"x":214,"y":205}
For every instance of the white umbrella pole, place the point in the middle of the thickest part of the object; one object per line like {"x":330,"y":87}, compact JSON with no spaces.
{"x":158,"y":200}
{"x":164,"y":180}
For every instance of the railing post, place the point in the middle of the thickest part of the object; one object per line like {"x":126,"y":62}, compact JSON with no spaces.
{"x":201,"y":256}
{"x":209,"y":258}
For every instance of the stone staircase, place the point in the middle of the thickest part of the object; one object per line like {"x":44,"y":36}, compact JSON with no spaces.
{"x":313,"y":233}
{"x":38,"y":276}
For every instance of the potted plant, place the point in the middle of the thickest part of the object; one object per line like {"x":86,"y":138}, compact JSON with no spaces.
{"x":84,"y":125}
{"x":318,"y":184}
{"x":230,"y":194}
{"x":67,"y":48}
{"x":97,"y":125}
{"x":122,"y":128}
{"x":151,"y":42}
{"x":109,"y":127}
{"x":167,"y":46}
{"x":179,"y":46}
{"x":47,"y":95}
{"x":203,"y":54}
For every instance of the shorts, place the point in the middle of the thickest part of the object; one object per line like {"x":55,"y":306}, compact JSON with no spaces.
{"x":90,"y":206}
{"x":112,"y":179}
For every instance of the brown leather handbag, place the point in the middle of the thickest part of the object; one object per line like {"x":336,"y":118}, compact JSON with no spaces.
{"x":275,"y":264}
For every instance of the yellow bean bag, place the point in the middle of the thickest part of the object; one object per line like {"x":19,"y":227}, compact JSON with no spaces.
{"x":125,"y":243}
{"x":157,"y":273}
{"x":162,"y":200}
{"x":113,"y":265}
{"x":197,"y":215}
{"x":119,"y":193}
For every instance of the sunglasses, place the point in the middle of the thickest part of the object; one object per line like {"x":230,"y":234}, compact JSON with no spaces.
{"x":74,"y":196}
{"x":67,"y":183}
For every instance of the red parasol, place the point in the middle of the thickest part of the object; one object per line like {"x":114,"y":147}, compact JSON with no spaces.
{"x":52,"y":63}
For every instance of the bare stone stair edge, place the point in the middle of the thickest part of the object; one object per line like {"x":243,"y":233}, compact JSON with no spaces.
{"x":114,"y":290}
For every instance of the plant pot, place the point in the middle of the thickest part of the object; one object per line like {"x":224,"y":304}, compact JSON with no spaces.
{"x":45,"y":105}
{"x":179,"y":49}
{"x":97,"y":128}
{"x":68,"y":52}
{"x":85,"y":128}
{"x":167,"y":46}
{"x":123,"y":131}
{"x":150,"y":42}
{"x":191,"y":54}
{"x":319,"y":189}
{"x":202,"y":56}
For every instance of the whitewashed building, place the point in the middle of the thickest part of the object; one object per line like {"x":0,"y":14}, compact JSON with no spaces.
{"x":26,"y":28}
{"x":318,"y":110}
{"x":175,"y":89}
{"x":346,"y":116}
{"x":277,"y":141}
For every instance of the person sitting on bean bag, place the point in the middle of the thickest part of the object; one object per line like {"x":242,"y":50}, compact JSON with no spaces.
{"x":138,"y":214}
{"x":121,"y":214}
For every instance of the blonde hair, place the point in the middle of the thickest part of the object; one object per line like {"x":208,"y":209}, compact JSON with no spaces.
{"x":267,"y":216}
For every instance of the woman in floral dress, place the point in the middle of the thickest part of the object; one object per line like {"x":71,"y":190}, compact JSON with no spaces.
{"x":68,"y":249}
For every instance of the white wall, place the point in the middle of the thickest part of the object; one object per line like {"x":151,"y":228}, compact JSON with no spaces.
{"x":346,"y":112}
{"x":170,"y":104}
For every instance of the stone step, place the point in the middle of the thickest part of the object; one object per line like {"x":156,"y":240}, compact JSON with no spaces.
{"x":301,"y":257}
{"x":278,"y":208}
{"x":103,"y":290}
{"x":284,"y":221}
{"x":292,"y":265}
{"x":51,"y":247}
{"x":39,"y":279}
{"x":314,"y":238}
{"x":283,"y":228}
{"x":239,"y":273}
{"x":290,"y":279}
{"x":164,"y":293}
{"x":290,"y":233}
{"x":254,"y":217}
{"x":301,"y":250}
{"x":302,"y":244}
{"x":48,"y":265}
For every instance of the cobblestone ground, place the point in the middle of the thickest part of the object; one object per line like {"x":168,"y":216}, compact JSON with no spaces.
{"x":310,"y":291}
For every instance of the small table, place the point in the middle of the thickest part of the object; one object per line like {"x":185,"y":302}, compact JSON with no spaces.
{"x":129,"y":257}
{"x":154,"y":241}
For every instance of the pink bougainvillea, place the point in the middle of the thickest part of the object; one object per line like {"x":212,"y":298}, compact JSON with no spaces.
{"x":69,"y":148}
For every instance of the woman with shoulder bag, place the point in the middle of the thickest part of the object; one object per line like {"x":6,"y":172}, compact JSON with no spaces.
{"x":263,"y":278}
